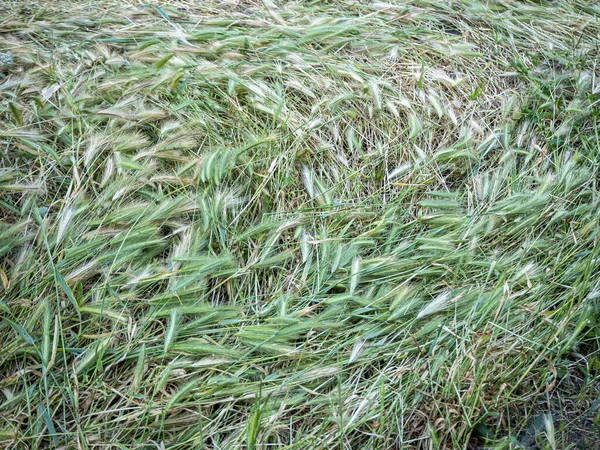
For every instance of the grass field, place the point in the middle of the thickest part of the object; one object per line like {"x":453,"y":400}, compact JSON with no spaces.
{"x":306,"y":225}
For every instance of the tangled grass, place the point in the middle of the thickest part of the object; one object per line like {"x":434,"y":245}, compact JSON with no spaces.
{"x":299,"y":225}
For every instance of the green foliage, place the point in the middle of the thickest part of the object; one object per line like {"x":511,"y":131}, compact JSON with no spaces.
{"x":302,"y":225}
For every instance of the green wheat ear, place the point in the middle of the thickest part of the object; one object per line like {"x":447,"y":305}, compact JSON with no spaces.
{"x":6,"y":60}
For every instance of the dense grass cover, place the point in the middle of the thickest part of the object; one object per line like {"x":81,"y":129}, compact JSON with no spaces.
{"x":299,"y":225}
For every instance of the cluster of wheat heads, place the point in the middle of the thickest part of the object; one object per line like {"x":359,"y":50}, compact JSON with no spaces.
{"x":297,"y":225}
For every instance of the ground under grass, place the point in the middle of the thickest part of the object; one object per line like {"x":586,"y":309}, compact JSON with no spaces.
{"x":299,"y":225}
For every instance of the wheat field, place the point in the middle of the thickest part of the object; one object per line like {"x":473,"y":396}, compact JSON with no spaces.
{"x":299,"y":225}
